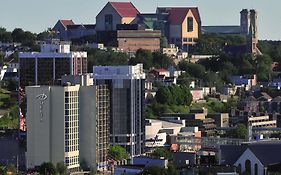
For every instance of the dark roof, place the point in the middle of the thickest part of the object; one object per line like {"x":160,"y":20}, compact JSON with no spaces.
{"x":125,"y":9}
{"x":231,"y":153}
{"x":221,"y":29}
{"x":75,"y":26}
{"x":89,"y":26}
{"x":268,"y":152}
{"x":178,"y":14}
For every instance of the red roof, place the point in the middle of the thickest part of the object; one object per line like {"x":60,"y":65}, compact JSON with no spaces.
{"x":178,"y":14}
{"x":66,"y":23}
{"x":160,"y":70}
{"x":125,"y":9}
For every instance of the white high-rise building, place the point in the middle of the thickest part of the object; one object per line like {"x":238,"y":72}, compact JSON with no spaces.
{"x":68,"y":124}
{"x":53,"y":127}
{"x":127,"y":122}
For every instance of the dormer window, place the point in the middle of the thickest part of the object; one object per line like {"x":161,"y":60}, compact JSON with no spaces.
{"x":189,"y":24}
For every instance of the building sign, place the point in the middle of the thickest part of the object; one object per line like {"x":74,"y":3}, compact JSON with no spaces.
{"x":41,"y":98}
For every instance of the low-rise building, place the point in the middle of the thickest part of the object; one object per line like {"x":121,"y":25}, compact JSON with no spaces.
{"x":157,"y":132}
{"x":206,"y":125}
{"x":245,"y":81}
{"x":221,"y":119}
{"x":253,"y":157}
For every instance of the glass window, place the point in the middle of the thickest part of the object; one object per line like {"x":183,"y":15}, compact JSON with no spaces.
{"x":189,"y":24}
{"x":108,"y":22}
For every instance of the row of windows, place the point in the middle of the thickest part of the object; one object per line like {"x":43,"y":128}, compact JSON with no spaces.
{"x":71,"y":112}
{"x":174,"y":40}
{"x":72,"y":118}
{"x":71,"y":105}
{"x":71,"y":124}
{"x":69,"y":143}
{"x":71,"y":136}
{"x":71,"y":93}
{"x":71,"y":99}
{"x":71,"y":160}
{"x":71,"y":130}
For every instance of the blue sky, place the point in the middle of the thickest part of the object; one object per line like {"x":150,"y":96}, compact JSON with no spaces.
{"x":38,"y":15}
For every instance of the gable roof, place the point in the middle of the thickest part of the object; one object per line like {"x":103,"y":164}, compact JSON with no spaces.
{"x":125,"y":9}
{"x":268,"y":152}
{"x":178,"y":14}
{"x":66,"y":23}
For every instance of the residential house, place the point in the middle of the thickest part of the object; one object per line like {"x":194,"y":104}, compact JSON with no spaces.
{"x":60,"y":28}
{"x":114,"y":13}
{"x":184,"y":25}
{"x":245,"y":81}
{"x":67,"y":30}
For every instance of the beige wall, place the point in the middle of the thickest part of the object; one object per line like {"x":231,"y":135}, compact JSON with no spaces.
{"x":127,"y":20}
{"x":180,"y":31}
{"x":194,"y":33}
{"x":133,"y":44}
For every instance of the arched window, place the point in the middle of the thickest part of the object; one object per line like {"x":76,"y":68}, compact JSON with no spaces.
{"x":256,"y":169}
{"x":248,"y":166}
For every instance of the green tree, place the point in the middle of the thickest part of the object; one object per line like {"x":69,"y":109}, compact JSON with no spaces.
{"x":5,"y":36}
{"x":241,"y":131}
{"x":163,"y":95}
{"x":117,"y":152}
{"x":162,"y":152}
{"x":61,"y":168}
{"x":11,"y":168}
{"x":142,"y":56}
{"x":263,"y":67}
{"x":195,"y":70}
{"x":47,"y":168}
{"x":163,"y":42}
{"x":154,"y":170}
{"x":105,"y":58}
{"x":161,"y":60}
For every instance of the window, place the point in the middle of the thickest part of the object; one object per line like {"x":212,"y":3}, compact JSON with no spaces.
{"x":189,"y":24}
{"x":108,"y":22}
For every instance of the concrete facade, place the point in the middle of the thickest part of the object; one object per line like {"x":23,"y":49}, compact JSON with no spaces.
{"x":68,"y":124}
{"x":53,"y":134}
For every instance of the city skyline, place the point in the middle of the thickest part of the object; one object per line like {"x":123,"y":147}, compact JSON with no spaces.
{"x":30,"y":15}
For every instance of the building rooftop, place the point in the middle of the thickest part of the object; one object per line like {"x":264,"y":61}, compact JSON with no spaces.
{"x":125,"y":9}
{"x":221,"y":29}
{"x":178,"y":14}
{"x":66,"y":23}
{"x":268,"y":152}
